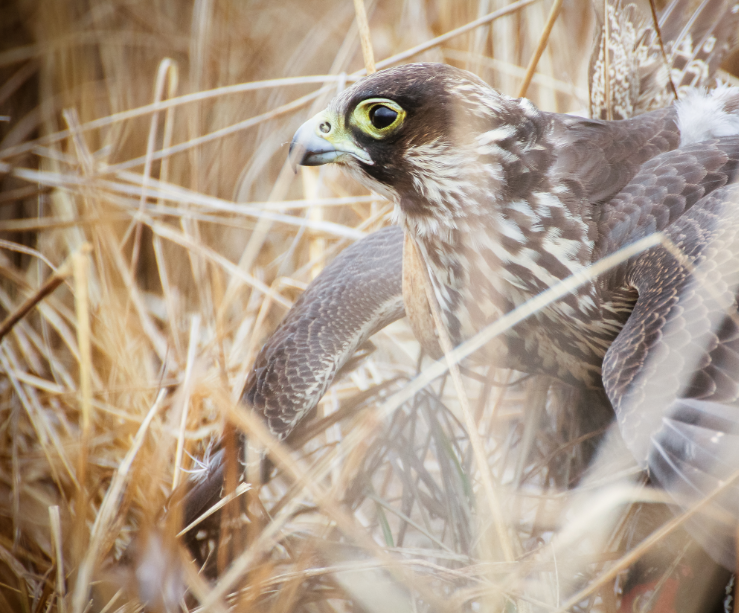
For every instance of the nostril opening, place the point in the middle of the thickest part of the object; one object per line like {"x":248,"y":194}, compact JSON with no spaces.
{"x":325,"y":127}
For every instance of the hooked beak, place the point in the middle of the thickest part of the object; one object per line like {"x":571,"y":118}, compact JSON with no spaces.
{"x":321,"y":140}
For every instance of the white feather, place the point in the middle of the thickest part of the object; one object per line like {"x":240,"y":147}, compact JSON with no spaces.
{"x":702,"y":116}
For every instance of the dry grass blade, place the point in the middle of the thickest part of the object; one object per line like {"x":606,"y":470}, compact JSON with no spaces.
{"x":553,"y":14}
{"x":364,"y":36}
{"x":47,"y":288}
{"x":56,"y":537}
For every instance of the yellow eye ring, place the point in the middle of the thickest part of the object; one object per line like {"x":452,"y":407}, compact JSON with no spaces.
{"x":378,"y":117}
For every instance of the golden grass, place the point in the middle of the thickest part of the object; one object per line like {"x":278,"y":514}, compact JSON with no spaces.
{"x":144,"y":167}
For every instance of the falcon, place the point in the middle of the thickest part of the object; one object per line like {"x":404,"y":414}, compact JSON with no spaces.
{"x":503,"y":201}
{"x":499,"y":201}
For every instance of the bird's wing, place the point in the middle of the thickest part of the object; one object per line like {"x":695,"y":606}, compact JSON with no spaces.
{"x":663,"y":189}
{"x":604,"y":156}
{"x":356,"y":295}
{"x":672,"y":374}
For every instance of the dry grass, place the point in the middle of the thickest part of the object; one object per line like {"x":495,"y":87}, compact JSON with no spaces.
{"x":144,"y":162}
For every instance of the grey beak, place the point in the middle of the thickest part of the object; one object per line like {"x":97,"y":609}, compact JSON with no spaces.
{"x":318,"y":141}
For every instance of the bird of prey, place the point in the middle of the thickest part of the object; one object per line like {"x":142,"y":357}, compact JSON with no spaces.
{"x":502,"y":201}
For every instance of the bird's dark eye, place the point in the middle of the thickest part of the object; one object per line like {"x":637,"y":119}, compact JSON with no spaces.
{"x":382,"y":116}
{"x":378,"y":117}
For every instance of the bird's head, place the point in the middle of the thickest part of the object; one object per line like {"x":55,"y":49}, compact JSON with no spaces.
{"x":434,"y":139}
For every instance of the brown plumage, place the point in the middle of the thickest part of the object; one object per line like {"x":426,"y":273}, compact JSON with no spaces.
{"x":503,"y":201}
{"x":302,"y":359}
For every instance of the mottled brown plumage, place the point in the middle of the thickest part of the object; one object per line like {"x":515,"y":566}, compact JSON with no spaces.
{"x":294,"y":369}
{"x":502,"y":201}
{"x":673,"y":372}
{"x":507,"y":201}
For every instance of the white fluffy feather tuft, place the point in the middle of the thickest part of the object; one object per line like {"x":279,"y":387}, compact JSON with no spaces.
{"x":704,"y":115}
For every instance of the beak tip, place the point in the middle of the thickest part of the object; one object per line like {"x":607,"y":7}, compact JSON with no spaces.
{"x":295,"y":155}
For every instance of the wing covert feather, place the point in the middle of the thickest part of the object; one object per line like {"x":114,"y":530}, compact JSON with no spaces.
{"x":671,"y":373}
